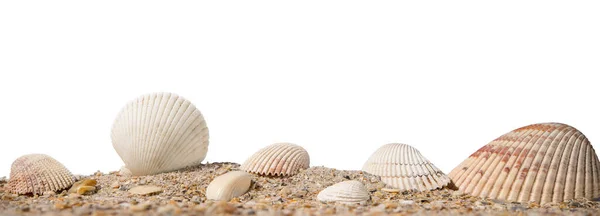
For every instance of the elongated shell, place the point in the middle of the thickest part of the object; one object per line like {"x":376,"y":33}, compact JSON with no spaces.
{"x":38,"y":173}
{"x":548,"y":162}
{"x":279,"y":159}
{"x":229,"y":185}
{"x":345,"y":192}
{"x":402,"y":166}
{"x":160,"y":132}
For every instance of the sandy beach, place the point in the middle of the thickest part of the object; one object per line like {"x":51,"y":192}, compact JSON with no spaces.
{"x":183,"y":193}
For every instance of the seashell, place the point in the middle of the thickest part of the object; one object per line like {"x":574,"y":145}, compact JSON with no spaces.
{"x":347,"y":192}
{"x":279,"y":159}
{"x":160,"y":132}
{"x":229,"y":185}
{"x":38,"y":173}
{"x":541,"y":163}
{"x":145,"y":190}
{"x":403,"y":167}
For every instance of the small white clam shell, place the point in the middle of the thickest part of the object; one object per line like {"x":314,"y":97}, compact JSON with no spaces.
{"x":38,"y":173}
{"x":345,"y":192}
{"x":229,"y":185}
{"x":160,"y":132}
{"x":403,"y":167}
{"x":279,"y":159}
{"x":542,"y":163}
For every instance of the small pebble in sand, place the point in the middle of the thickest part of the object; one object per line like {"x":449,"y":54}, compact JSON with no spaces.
{"x":115,"y":185}
{"x":86,"y":190}
{"x":390,"y":190}
{"x":89,"y":185}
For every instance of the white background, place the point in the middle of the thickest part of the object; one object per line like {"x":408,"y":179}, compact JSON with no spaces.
{"x":340,"y":78}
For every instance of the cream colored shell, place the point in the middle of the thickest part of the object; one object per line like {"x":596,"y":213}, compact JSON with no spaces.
{"x":402,"y":166}
{"x":38,"y":173}
{"x":279,"y":159}
{"x":229,"y":185}
{"x":160,"y":132}
{"x":542,"y":163}
{"x":348,"y":192}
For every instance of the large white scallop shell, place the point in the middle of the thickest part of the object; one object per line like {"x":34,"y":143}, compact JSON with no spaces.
{"x":542,"y":163}
{"x":229,"y":185}
{"x":160,"y":132}
{"x":348,"y":192}
{"x":402,"y":166}
{"x":38,"y":173}
{"x":279,"y":159}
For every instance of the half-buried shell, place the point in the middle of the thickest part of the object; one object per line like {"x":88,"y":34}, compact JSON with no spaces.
{"x":279,"y":159}
{"x":229,"y":185}
{"x":542,"y":163}
{"x":38,"y":173}
{"x":160,"y":132}
{"x":347,"y":192}
{"x":402,"y":166}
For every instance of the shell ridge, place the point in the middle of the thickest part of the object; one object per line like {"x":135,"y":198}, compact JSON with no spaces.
{"x":482,"y":187}
{"x":282,"y":165}
{"x":547,"y":191}
{"x":173,"y":135}
{"x":190,"y":125}
{"x":570,"y":180}
{"x":148,"y":106}
{"x":158,"y":113}
{"x":558,"y":189}
{"x":539,"y":180}
{"x":515,"y":165}
{"x":525,"y":169}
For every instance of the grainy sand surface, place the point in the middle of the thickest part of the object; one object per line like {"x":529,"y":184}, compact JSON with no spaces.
{"x":183,"y":193}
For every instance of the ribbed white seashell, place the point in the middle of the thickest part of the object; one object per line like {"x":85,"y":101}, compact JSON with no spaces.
{"x":402,"y":166}
{"x":38,"y":173}
{"x":229,"y":185}
{"x":542,"y":163}
{"x":279,"y":159}
{"x":160,"y":132}
{"x":345,"y":192}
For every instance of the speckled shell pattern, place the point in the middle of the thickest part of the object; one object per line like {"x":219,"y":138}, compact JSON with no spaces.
{"x":542,"y":163}
{"x":279,"y":159}
{"x":347,"y":192}
{"x":403,"y":167}
{"x":229,"y":185}
{"x":38,"y":173}
{"x":160,"y":132}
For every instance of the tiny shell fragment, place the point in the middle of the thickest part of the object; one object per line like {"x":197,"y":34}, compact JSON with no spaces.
{"x":145,"y":190}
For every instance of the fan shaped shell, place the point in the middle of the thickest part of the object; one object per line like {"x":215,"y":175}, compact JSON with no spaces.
{"x":279,"y":159}
{"x":403,"y":167}
{"x":345,"y":192}
{"x":229,"y":185}
{"x":38,"y":173}
{"x":160,"y":132}
{"x":542,"y":163}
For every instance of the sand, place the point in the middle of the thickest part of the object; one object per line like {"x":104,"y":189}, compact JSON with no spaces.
{"x":183,"y":193}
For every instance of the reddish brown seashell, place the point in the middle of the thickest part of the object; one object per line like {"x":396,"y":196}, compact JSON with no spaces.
{"x":542,"y":163}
